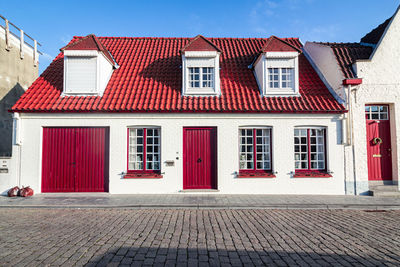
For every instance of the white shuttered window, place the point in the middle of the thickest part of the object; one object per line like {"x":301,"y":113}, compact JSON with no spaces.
{"x":81,"y":75}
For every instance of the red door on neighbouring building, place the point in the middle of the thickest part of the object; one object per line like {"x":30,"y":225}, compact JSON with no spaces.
{"x":199,"y":158}
{"x":75,"y":160}
{"x":378,"y":142}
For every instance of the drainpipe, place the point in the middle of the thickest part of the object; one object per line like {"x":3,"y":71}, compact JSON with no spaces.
{"x":17,"y":143}
{"x":349,"y":83}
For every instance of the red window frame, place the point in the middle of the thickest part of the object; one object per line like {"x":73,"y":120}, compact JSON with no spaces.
{"x":309,"y":169}
{"x":255,"y":170}
{"x":144,"y":170}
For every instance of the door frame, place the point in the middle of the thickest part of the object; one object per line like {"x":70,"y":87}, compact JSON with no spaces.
{"x":215,"y":182}
{"x":389,"y":118}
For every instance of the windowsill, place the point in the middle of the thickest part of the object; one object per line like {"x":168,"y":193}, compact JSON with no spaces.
{"x":283,"y":93}
{"x":256,"y":175}
{"x":311,"y":174}
{"x":197,"y":91}
{"x":142,"y":175}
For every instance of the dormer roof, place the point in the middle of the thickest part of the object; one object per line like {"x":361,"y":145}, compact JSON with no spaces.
{"x":275,"y":44}
{"x":200,"y":43}
{"x":90,"y":42}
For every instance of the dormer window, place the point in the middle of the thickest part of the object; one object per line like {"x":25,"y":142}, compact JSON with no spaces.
{"x":201,"y":77}
{"x":200,"y":68}
{"x":281,"y":78}
{"x":277,"y":69}
{"x":81,"y":74}
{"x":87,"y":67}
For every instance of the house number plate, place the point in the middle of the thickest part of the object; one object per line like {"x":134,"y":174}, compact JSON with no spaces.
{"x":376,"y":155}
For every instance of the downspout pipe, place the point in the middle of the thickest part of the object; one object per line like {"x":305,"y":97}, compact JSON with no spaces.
{"x":351,"y":84}
{"x":17,"y":143}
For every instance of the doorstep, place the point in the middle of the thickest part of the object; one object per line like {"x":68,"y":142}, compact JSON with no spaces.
{"x":199,"y":191}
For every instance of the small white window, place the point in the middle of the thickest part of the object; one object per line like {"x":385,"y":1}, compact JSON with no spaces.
{"x":277,"y":73}
{"x":201,"y":77}
{"x":281,"y":78}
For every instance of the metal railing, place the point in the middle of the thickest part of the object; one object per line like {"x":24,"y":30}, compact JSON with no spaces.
{"x":11,"y":29}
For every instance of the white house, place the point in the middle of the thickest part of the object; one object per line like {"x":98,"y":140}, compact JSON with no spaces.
{"x":171,"y":115}
{"x":364,"y":76}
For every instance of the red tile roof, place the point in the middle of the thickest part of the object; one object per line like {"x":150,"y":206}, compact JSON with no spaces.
{"x":150,"y":80}
{"x":90,"y":42}
{"x":375,"y":35}
{"x":347,"y":54}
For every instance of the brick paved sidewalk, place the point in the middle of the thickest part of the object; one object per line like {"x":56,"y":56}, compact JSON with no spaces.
{"x":113,"y":237}
{"x":193,"y":201}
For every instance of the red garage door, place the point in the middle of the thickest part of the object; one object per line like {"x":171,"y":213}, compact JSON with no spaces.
{"x":75,"y":160}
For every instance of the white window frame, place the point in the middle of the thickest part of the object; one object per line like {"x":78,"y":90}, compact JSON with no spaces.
{"x":201,"y":80}
{"x":200,"y":59}
{"x":278,"y":60}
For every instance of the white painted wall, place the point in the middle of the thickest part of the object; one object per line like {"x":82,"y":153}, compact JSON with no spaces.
{"x":171,"y":147}
{"x":323,"y":57}
{"x":381,"y":85}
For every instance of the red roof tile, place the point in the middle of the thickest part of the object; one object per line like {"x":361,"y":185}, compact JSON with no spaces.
{"x":90,"y":42}
{"x":347,"y":54}
{"x":375,"y":35}
{"x":150,"y":80}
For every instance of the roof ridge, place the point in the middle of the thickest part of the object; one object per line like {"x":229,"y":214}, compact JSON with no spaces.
{"x":181,"y":37}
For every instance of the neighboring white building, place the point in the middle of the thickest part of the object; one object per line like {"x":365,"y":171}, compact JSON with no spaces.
{"x":364,"y":76}
{"x":222,"y":115}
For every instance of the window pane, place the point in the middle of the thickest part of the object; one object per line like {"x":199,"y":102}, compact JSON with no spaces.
{"x":263,"y":149}
{"x":135,"y":156}
{"x":153,"y":149}
{"x":246,"y":146}
{"x":317,"y":149}
{"x":194,"y":77}
{"x":208,"y":77}
{"x":273,"y":77}
{"x":287,"y":77}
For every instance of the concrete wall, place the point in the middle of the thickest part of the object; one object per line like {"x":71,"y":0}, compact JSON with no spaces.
{"x":171,"y":147}
{"x":16,"y":75}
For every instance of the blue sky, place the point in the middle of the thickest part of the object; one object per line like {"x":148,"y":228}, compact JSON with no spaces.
{"x":54,"y":23}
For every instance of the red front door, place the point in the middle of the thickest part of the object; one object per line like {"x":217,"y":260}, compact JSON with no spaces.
{"x":75,"y":160}
{"x":378,"y":142}
{"x":199,"y":158}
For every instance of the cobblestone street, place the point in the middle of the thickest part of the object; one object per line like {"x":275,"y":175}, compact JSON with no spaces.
{"x":40,"y":237}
